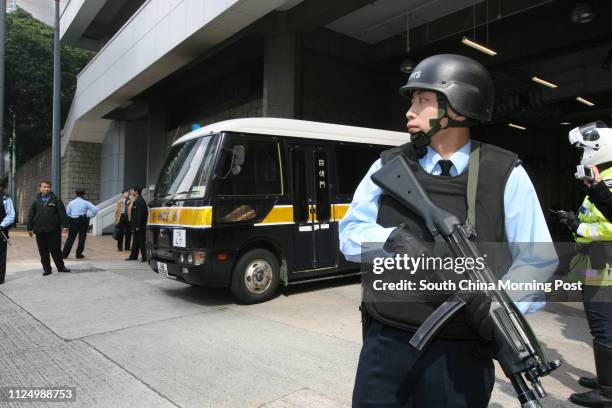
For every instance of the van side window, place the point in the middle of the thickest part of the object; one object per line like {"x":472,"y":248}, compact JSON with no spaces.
{"x":260,"y":174}
{"x":353,"y":162}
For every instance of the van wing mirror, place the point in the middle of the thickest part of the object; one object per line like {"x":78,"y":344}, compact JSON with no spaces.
{"x":238,"y":155}
{"x":238,"y":159}
{"x":236,"y":162}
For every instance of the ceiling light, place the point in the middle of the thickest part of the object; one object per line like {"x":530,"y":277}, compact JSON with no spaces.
{"x":582,"y":13}
{"x":586,"y":102}
{"x":512,"y":125}
{"x":565,"y":123}
{"x":477,"y":46}
{"x":407,"y":65}
{"x":543,"y":82}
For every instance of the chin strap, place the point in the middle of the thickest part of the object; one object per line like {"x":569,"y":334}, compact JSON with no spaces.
{"x":421,"y":140}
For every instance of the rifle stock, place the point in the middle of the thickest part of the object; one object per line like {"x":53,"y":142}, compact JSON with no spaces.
{"x":398,"y":181}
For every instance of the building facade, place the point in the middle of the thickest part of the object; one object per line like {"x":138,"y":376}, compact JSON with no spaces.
{"x":164,"y":65}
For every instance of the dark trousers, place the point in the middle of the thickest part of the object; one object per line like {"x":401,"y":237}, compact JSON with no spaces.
{"x":50,"y":242}
{"x":138,"y":243}
{"x":124,"y":231}
{"x":598,"y":310}
{"x":2,"y":259}
{"x":77,"y":226}
{"x":447,"y":374}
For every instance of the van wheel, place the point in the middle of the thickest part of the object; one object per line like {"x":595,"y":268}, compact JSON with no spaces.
{"x":255,"y":277}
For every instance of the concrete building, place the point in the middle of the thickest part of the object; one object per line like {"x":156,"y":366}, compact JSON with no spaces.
{"x":163,"y":65}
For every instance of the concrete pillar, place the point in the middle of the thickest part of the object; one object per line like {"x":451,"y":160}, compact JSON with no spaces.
{"x":281,"y":76}
{"x":156,"y":144}
{"x":135,"y":168}
{"x":113,"y":161}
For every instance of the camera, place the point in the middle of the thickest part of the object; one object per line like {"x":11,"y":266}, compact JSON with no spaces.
{"x":584,"y":173}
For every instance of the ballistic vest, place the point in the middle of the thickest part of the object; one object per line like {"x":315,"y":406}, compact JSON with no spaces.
{"x":449,"y":193}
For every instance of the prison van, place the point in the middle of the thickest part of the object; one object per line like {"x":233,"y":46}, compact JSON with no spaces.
{"x":253,"y":203}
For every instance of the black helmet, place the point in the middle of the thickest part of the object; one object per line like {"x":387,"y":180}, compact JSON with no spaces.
{"x":465,"y":83}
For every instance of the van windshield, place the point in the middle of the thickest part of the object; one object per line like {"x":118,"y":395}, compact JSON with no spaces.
{"x":187,"y":169}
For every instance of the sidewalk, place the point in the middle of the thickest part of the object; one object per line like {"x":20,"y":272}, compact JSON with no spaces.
{"x":97,"y":248}
{"x":126,"y":337}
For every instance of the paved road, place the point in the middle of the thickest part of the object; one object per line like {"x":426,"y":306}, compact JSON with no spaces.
{"x":124,"y":337}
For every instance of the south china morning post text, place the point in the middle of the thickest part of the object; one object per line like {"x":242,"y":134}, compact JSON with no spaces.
{"x":401,"y":277}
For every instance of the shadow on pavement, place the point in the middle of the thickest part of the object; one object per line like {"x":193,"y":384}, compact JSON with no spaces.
{"x":318,"y":285}
{"x":203,"y":296}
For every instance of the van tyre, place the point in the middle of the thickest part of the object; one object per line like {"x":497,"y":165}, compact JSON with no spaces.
{"x":255,"y":276}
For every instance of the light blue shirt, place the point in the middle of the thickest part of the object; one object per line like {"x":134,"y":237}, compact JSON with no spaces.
{"x":524,"y":221}
{"x":10,"y":213}
{"x":79,"y":207}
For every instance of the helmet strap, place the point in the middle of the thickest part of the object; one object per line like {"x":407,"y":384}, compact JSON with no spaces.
{"x":421,"y":140}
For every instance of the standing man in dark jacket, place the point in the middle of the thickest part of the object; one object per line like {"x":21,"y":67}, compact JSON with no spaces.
{"x":46,"y":218}
{"x":138,"y":220}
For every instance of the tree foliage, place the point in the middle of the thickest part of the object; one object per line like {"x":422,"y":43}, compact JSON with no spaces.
{"x":29,"y":82}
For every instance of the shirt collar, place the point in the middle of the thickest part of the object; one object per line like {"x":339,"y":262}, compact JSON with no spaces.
{"x":460,"y":160}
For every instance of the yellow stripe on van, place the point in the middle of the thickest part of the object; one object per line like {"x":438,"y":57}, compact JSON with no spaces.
{"x":187,"y":216}
{"x":339,"y":211}
{"x":201,"y":217}
{"x":279,"y":214}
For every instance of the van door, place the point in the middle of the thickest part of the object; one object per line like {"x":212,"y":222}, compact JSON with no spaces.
{"x":315,"y":248}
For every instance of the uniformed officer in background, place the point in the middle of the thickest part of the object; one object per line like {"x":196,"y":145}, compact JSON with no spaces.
{"x":7,"y":217}
{"x":79,"y":211}
{"x":138,"y":221}
{"x":592,"y":229}
{"x":46,"y":218}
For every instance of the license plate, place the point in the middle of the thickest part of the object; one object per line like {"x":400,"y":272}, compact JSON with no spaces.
{"x":162,"y":269}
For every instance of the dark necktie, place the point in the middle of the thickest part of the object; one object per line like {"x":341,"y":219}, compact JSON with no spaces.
{"x":445,"y":165}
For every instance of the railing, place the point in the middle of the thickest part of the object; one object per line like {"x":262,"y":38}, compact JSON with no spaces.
{"x":104,"y":221}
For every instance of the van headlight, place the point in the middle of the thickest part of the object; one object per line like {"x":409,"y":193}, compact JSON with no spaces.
{"x":194,"y":258}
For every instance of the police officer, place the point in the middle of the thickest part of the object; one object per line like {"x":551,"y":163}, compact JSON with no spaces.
{"x":7,"y":217}
{"x":592,"y":229}
{"x":449,"y":93}
{"x":46,"y":218}
{"x":138,"y":222}
{"x":79,"y":211}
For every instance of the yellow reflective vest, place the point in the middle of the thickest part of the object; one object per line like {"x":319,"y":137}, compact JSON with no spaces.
{"x":593,"y":227}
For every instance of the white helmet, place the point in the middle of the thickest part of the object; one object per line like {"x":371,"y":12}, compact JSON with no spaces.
{"x":595,"y":139}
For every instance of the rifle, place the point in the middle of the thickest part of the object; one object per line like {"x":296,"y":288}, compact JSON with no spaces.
{"x":5,"y":238}
{"x":517,"y":348}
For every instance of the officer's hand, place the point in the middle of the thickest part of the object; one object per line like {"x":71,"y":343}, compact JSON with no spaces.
{"x":568,"y":218}
{"x":596,"y":176}
{"x":402,"y":241}
{"x":65,"y":230}
{"x":477,"y":314}
{"x":31,"y":234}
